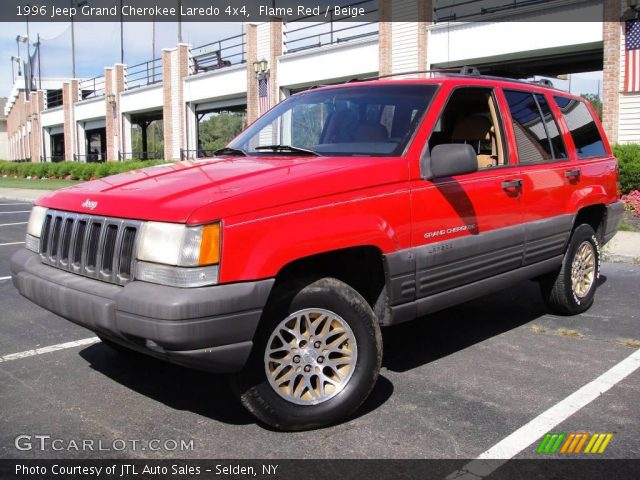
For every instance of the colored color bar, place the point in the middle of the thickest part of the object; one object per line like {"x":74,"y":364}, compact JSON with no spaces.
{"x":543,"y":443}
{"x":555,"y":447}
{"x":594,"y":437}
{"x":605,"y":443}
{"x":567,"y":443}
{"x":584,"y":439}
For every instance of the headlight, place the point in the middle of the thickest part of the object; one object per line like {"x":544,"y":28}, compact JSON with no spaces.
{"x":175,"y":247}
{"x":34,"y":228}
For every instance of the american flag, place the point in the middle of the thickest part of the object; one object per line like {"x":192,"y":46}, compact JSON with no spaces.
{"x":632,"y":56}
{"x":263,"y":94}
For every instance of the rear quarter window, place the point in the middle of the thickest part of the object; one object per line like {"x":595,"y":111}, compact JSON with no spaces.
{"x":583,"y":127}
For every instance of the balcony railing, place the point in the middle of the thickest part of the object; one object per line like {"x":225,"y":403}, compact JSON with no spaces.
{"x":91,"y":88}
{"x":314,"y":31}
{"x":53,"y":99}
{"x":452,"y":10}
{"x":218,"y":54}
{"x":143,"y":74}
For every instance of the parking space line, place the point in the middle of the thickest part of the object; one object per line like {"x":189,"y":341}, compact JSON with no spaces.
{"x":49,"y":349}
{"x":4,"y":278}
{"x":513,"y":444}
{"x":17,"y":211}
{"x":9,"y":224}
{"x":9,"y":204}
{"x":10,"y":243}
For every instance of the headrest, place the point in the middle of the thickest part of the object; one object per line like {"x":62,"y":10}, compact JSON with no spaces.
{"x":474,"y":127}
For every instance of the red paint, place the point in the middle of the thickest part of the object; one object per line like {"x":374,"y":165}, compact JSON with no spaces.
{"x":278,"y":209}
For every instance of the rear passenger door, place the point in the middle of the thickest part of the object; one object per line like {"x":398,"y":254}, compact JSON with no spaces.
{"x":548,"y":176}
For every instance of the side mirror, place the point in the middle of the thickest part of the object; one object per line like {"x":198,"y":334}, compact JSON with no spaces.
{"x":449,"y":159}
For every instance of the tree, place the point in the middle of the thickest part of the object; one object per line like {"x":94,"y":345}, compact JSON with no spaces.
{"x":219,"y":129}
{"x":595,"y":101}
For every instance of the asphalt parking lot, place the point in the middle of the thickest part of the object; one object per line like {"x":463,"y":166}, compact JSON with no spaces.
{"x":453,"y":384}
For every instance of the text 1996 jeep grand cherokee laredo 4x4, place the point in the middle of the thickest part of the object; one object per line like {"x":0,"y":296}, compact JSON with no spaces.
{"x":341,"y":210}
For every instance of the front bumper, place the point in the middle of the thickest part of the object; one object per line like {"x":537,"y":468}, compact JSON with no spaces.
{"x":210,"y":328}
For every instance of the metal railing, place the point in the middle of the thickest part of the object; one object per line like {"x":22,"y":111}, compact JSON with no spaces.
{"x":321,"y":32}
{"x":157,"y":155}
{"x":91,"y":157}
{"x":195,"y":154}
{"x":91,"y":88}
{"x":53,"y":158}
{"x":219,"y":54}
{"x":447,"y":11}
{"x":21,"y":160}
{"x":143,"y":74}
{"x":53,"y":99}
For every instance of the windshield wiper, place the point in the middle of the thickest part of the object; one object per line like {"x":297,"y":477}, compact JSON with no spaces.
{"x":230,"y":151}
{"x":287,"y":148}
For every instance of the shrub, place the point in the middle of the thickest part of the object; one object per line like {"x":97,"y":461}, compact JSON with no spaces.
{"x":629,"y":160}
{"x":78,"y":171}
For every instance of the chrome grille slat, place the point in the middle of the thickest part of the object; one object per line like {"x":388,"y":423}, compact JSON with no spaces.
{"x":65,"y":235}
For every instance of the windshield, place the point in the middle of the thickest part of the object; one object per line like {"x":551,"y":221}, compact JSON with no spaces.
{"x":367,"y":120}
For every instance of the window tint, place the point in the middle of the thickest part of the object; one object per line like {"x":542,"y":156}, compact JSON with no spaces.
{"x":531,"y":135}
{"x":582,"y":126}
{"x":559,"y":150}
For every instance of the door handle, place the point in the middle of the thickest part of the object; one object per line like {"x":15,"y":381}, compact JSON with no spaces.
{"x":512,"y":184}
{"x":572,"y":174}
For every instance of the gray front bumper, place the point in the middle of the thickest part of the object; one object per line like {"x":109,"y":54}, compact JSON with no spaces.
{"x":209,"y":328}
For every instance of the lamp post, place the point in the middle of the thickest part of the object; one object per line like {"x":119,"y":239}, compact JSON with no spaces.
{"x":74,"y":4}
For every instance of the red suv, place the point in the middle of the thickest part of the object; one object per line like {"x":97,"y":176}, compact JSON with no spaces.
{"x":342,"y":210}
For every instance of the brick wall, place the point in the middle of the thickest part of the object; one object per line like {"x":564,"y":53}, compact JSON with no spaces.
{"x":69,"y":98}
{"x":613,"y":34}
{"x":175,"y":65}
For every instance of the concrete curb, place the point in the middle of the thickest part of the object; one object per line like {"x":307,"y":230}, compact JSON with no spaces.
{"x":21,"y":194}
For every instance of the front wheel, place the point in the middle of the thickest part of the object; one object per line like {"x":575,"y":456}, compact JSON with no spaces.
{"x":316,"y":357}
{"x":572,"y":289}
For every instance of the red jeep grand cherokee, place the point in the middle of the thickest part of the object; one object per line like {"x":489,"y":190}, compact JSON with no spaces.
{"x":341,"y":210}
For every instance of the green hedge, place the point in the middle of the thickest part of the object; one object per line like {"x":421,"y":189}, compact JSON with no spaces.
{"x":77,"y":171}
{"x":629,"y":159}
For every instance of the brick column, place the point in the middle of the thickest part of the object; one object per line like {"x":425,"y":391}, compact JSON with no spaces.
{"x":37,"y":105}
{"x":69,"y":98}
{"x":612,"y":38}
{"x":384,"y":37}
{"x":113,"y":86}
{"x":252,"y":82}
{"x":175,"y":65}
{"x":425,"y":17}
{"x":274,"y":53}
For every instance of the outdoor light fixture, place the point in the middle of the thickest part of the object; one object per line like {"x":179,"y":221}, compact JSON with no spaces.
{"x":631,"y":13}
{"x":261,"y":68}
{"x":22,"y":38}
{"x":111,"y":98}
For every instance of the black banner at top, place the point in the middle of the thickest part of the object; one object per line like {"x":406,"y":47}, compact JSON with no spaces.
{"x":438,"y":11}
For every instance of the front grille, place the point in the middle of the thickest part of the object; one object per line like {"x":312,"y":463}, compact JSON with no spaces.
{"x":97,"y":247}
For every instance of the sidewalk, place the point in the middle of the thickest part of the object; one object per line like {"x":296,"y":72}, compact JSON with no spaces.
{"x":623,"y":248}
{"x":21,"y":194}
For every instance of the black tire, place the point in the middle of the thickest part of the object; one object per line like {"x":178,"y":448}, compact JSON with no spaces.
{"x":558,"y":289}
{"x":259,"y":396}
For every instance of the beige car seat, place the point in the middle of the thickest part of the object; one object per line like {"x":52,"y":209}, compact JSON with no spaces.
{"x":474,"y":130}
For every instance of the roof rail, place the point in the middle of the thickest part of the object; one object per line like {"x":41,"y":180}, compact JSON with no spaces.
{"x":545,"y":82}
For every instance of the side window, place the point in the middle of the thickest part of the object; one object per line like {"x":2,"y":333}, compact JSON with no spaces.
{"x":582,"y":125}
{"x":471,"y":117}
{"x":529,"y":127}
{"x":559,"y":150}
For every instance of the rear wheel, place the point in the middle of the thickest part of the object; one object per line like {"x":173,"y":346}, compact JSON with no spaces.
{"x":316,"y":357}
{"x":572,"y":289}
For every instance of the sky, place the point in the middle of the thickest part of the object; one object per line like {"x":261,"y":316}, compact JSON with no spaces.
{"x":98,"y":45}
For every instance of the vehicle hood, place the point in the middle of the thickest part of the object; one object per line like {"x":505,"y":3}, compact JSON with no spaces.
{"x":176,"y":192}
